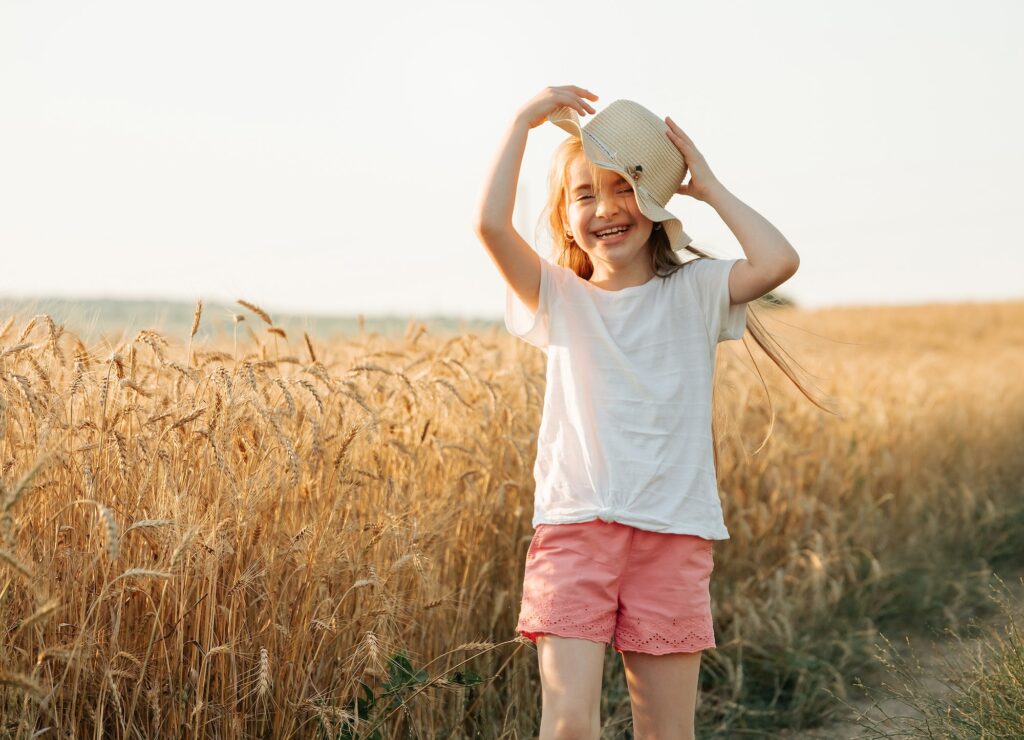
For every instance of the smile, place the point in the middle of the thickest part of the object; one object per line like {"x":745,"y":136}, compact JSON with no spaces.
{"x":617,"y":235}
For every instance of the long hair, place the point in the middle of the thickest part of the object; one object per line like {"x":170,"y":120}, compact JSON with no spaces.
{"x":664,"y":260}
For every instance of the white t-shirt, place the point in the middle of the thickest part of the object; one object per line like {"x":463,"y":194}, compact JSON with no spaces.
{"x":625,"y":434}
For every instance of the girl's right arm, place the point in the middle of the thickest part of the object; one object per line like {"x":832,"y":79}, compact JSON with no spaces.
{"x":516,"y":260}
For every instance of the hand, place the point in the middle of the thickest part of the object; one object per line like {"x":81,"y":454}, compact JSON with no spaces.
{"x":535,"y":111}
{"x":702,"y":180}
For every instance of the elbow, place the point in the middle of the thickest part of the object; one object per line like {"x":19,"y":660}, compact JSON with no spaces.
{"x":486,"y":227}
{"x":781,"y":271}
{"x":481,"y":226}
{"x":791,"y":266}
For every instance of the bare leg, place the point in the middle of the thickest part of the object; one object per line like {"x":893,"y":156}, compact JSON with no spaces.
{"x":570,"y":675}
{"x":662,"y":694}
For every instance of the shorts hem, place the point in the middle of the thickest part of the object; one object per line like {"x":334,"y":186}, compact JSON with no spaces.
{"x":665,"y":650}
{"x":532,"y":634}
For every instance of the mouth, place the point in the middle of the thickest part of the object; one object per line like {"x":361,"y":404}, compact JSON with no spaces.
{"x":617,"y":235}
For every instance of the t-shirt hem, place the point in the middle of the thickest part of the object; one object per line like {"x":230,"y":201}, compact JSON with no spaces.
{"x":706,"y":533}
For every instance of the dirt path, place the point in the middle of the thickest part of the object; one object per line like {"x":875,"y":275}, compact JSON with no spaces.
{"x":932,"y":654}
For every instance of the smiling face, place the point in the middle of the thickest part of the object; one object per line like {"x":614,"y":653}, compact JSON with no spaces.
{"x":593,"y":207}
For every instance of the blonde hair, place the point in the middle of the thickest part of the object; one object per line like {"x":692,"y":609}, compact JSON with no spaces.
{"x":664,"y":260}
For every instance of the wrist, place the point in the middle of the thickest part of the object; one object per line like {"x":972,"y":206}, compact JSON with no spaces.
{"x":520,"y":123}
{"x":715,"y":194}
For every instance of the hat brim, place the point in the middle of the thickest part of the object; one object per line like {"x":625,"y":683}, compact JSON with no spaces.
{"x":568,"y":120}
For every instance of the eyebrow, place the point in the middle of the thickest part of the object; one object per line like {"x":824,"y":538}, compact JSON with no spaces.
{"x":586,"y":186}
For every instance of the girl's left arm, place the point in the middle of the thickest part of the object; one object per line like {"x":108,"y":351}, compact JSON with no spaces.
{"x":770,"y":258}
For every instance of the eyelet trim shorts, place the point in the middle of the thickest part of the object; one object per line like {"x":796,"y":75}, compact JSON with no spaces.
{"x":598,"y":580}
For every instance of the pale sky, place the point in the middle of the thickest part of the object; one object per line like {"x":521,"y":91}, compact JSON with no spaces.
{"x":328,"y":157}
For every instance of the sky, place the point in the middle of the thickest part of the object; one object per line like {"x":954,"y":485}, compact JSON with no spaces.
{"x":328,"y":158}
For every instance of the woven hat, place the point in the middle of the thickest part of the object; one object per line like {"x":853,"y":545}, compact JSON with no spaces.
{"x":629,"y":139}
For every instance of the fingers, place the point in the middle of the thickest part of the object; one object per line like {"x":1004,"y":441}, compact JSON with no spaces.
{"x":682,"y":142}
{"x":678,"y":140}
{"x":584,"y":92}
{"x":674,"y":130}
{"x":575,"y":101}
{"x":578,"y":104}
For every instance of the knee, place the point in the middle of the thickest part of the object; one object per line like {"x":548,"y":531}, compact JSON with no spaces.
{"x":568,"y":723}
{"x":673,"y":730}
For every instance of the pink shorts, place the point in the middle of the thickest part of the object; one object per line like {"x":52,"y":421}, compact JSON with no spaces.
{"x":601,"y":580}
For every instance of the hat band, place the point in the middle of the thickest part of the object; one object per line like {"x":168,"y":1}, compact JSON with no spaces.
{"x":616,"y":162}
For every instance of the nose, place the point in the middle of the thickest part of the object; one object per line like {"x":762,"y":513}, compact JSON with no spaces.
{"x":607,"y":203}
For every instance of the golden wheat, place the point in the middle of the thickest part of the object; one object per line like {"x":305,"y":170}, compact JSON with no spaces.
{"x":321,"y":515}
{"x":257,"y":310}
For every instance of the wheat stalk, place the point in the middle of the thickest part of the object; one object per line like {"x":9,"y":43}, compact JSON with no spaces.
{"x":195,"y":318}
{"x":22,"y":682}
{"x":179,"y":552}
{"x":257,"y":310}
{"x":7,"y":326}
{"x":141,"y":573}
{"x":43,"y":612}
{"x":264,"y":682}
{"x":18,"y":566}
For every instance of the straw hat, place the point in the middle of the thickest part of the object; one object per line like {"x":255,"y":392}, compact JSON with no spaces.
{"x":629,"y":139}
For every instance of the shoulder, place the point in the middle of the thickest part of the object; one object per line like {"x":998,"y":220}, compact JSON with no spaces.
{"x":559,"y":275}
{"x":698,"y":265}
{"x":678,"y":274}
{"x":705,"y":271}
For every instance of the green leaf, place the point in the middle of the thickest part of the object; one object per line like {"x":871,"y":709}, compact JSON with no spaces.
{"x":401,"y":672}
{"x":466,"y":678}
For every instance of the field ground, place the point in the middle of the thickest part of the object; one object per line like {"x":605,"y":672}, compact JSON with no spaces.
{"x":927,"y":656}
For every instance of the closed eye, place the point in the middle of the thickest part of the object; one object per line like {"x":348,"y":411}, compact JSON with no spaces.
{"x":627,"y":190}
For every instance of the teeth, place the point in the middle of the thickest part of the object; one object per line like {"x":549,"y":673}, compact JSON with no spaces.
{"x":618,"y":230}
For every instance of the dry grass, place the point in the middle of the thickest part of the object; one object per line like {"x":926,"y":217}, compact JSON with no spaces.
{"x":250,"y":542}
{"x":944,"y":685}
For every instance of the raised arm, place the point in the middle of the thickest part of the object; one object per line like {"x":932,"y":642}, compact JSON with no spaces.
{"x":770,"y":258}
{"x":518,"y":263}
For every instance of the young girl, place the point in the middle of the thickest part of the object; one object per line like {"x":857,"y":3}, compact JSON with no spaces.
{"x":626,"y":504}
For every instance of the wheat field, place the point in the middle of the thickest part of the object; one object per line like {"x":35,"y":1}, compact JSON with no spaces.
{"x":275,"y":536}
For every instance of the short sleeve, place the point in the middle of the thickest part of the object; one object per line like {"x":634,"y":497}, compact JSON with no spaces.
{"x":711,"y":280}
{"x":533,"y":328}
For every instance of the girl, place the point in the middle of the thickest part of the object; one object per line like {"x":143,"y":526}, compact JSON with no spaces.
{"x":626,"y":504}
